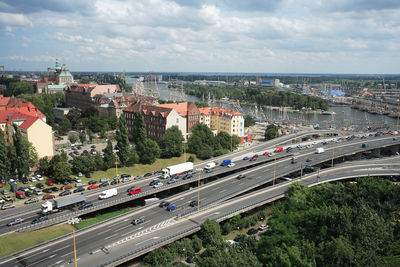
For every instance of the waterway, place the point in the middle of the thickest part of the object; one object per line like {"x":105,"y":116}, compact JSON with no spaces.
{"x":344,"y":117}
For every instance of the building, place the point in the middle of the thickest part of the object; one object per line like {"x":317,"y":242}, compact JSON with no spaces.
{"x":60,"y":113}
{"x":64,"y":77}
{"x":187,"y":110}
{"x":156,"y":119}
{"x":231,"y":122}
{"x":82,"y":95}
{"x":56,"y":80}
{"x":20,"y":106}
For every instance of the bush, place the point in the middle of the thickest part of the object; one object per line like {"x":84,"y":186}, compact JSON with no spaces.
{"x":220,"y":152}
{"x":191,"y":158}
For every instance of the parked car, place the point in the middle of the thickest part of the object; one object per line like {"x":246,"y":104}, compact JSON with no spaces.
{"x":87,"y":175}
{"x":66,"y":187}
{"x":92,"y":146}
{"x":55,"y":189}
{"x":5,"y":192}
{"x":7,"y":198}
{"x":125,"y":180}
{"x":252,"y":231}
{"x":164,"y":204}
{"x":79,"y":173}
{"x":92,"y":182}
{"x":124,"y":175}
{"x":78,"y":180}
{"x":24,"y":181}
{"x":15,"y":221}
{"x":137,"y":221}
{"x":86,"y":205}
{"x":39,"y":185}
{"x":148,"y":174}
{"x":93,"y":186}
{"x":31,"y":200}
{"x":28,"y":194}
{"x":49,"y":183}
{"x":104,"y":184}
{"x":32,"y":179}
{"x":48,"y":190}
{"x":39,"y":177}
{"x":65,"y":193}
{"x":103,"y":180}
{"x":37,"y":192}
{"x":80,"y":189}
{"x":48,"y":197}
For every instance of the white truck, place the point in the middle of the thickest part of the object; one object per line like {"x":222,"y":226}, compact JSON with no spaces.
{"x":210,"y":165}
{"x":176,"y":169}
{"x":108,"y":193}
{"x":56,"y":205}
{"x":319,"y":150}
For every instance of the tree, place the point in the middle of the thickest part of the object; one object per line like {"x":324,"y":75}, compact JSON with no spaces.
{"x":149,"y":152}
{"x":201,"y":136}
{"x":112,"y":122}
{"x":271,"y":132}
{"x":4,"y":160}
{"x":210,"y":234}
{"x":205,"y":152}
{"x":91,"y":135}
{"x":73,"y":117}
{"x":21,"y":160}
{"x":44,"y":165}
{"x":191,"y":158}
{"x":95,"y":124}
{"x":64,"y":126}
{"x":73,"y":138}
{"x":138,"y":129}
{"x":32,"y":153}
{"x":123,"y":145}
{"x":171,"y":143}
{"x":109,"y":158}
{"x":133,"y":157}
{"x":249,"y":121}
{"x":82,"y":137}
{"x":53,"y":164}
{"x":19,"y":87}
{"x":61,"y":170}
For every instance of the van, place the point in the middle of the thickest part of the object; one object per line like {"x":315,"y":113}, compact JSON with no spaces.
{"x":319,"y":150}
{"x":225,"y":162}
{"x":210,"y":165}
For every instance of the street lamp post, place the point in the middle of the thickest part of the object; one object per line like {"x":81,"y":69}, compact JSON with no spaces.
{"x":318,"y":177}
{"x":398,"y":113}
{"x":72,"y":222}
{"x":333,"y":155}
{"x":116,"y":164}
{"x":301,"y":171}
{"x":198,"y":190}
{"x":273,"y":180}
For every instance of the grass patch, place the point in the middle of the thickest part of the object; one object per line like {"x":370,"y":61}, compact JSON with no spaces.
{"x":14,"y":242}
{"x":98,"y":217}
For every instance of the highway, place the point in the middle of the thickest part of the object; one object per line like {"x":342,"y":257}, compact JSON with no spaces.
{"x":120,"y":237}
{"x":257,"y":175}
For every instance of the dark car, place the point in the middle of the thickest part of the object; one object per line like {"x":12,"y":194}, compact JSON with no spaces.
{"x":92,"y":146}
{"x":104,"y":184}
{"x":190,"y":259}
{"x":28,"y":194}
{"x":87,"y":175}
{"x":92,"y":182}
{"x":252,"y":231}
{"x":86,"y":205}
{"x":137,"y":221}
{"x":65,"y":193}
{"x":171,"y":207}
{"x":39,"y":185}
{"x":80,"y":189}
{"x":65,"y":182}
{"x":40,"y":219}
{"x":76,"y":152}
{"x":193,"y":203}
{"x":124,"y":175}
{"x":241,"y":176}
{"x":254,"y":158}
{"x":55,"y":189}
{"x":164,"y":204}
{"x":154,"y":182}
{"x":24,"y":181}
{"x":187,"y":176}
{"x":148,"y":174}
{"x":47,"y":190}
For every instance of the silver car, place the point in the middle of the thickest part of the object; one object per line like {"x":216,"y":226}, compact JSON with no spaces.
{"x":15,"y":221}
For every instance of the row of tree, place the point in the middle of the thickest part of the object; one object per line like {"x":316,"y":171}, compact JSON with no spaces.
{"x":259,"y":96}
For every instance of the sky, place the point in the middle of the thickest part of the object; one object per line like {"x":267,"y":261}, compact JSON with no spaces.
{"x":263,"y":36}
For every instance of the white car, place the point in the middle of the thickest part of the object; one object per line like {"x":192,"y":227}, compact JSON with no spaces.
{"x":158,"y":185}
{"x":37,"y":192}
{"x":31,"y":187}
{"x":39,"y":177}
{"x":33,"y":179}
{"x":230,"y":165}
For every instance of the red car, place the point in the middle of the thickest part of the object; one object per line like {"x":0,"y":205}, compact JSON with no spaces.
{"x":65,"y":187}
{"x":1,"y":185}
{"x":254,"y":158}
{"x":93,"y":186}
{"x":50,"y":183}
{"x":134,"y":191}
{"x":48,"y":196}
{"x":266,"y":153}
{"x":278,"y":149}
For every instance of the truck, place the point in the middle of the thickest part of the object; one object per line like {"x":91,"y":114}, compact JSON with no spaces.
{"x":177,"y":169}
{"x":108,"y":193}
{"x":226,"y":162}
{"x":319,"y":150}
{"x":210,"y":165}
{"x":55,"y":205}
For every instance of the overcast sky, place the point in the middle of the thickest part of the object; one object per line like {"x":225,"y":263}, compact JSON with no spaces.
{"x":286,"y":36}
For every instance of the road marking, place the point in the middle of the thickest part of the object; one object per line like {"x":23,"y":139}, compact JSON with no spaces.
{"x":182,"y":198}
{"x":45,"y":250}
{"x":222,"y":191}
{"x":66,"y":254}
{"x":110,"y":236}
{"x":52,"y":256}
{"x":60,"y":248}
{"x":242,"y":184}
{"x":125,"y":220}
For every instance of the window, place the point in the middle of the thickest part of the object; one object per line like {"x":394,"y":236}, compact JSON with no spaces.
{"x":177,"y":120}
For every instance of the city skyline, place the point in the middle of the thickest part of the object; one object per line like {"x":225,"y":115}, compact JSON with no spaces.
{"x":256,"y":36}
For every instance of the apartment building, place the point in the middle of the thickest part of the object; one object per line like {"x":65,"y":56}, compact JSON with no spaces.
{"x":82,"y":95}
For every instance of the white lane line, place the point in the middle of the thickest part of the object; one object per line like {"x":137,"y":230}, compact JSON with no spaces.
{"x":108,"y":237}
{"x":125,"y":220}
{"x":242,"y":184}
{"x":182,"y":198}
{"x":60,"y":248}
{"x":58,"y":262}
{"x":43,"y":251}
{"x":67,"y":254}
{"x":222,"y":191}
{"x":52,"y":256}
{"x":234,"y":181}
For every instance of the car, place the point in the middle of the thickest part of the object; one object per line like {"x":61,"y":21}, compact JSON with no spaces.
{"x":263,"y":227}
{"x":172,"y":181}
{"x":104,"y":184}
{"x":171,"y":207}
{"x":158,"y":185}
{"x":31,"y":187}
{"x":209,"y":170}
{"x":79,"y":173}
{"x":66,"y":187}
{"x":79,"y":184}
{"x":193,"y":203}
{"x":252,"y":231}
{"x":37,"y":192}
{"x":80,"y":189}
{"x":137,"y":221}
{"x":87,"y":175}
{"x":92,"y":146}
{"x":124,"y":175}
{"x":187,"y":176}
{"x":15,"y":221}
{"x":31,"y":200}
{"x":5,"y":192}
{"x":154,"y":182}
{"x":48,"y":197}
{"x":92,"y":182}
{"x":40,"y":219}
{"x":278,"y":149}
{"x":55,"y":189}
{"x":308,"y":160}
{"x":103,"y":180}
{"x":76,"y":152}
{"x":272,"y":154}
{"x":246,"y":158}
{"x":78,"y":180}
{"x":24,"y":181}
{"x":294,"y":160}
{"x":230,"y":165}
{"x":86,"y":205}
{"x":32,"y":179}
{"x":266,"y":153}
{"x":1,"y":185}
{"x":164,"y":204}
{"x":7,"y":198}
{"x":40,"y":185}
{"x":49,"y":183}
{"x":148,"y":174}
{"x":7,"y":206}
{"x":28,"y":193}
{"x":93,"y":186}
{"x":48,"y":190}
{"x":134,"y":191}
{"x":39,"y":177}
{"x":65,"y":193}
{"x":125,"y":180}
{"x":241,"y":176}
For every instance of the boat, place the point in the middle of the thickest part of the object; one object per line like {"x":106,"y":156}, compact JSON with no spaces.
{"x":328,"y":113}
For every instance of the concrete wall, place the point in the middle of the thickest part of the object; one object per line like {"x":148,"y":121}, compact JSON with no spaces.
{"x":41,"y":136}
{"x":174,"y":119}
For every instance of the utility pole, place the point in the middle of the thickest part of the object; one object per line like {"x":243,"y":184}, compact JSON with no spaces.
{"x":273,"y":180}
{"x":72,"y":222}
{"x":116,"y":165}
{"x":198,"y":190}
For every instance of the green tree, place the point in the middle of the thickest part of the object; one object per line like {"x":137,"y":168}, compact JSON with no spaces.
{"x":271,"y":132}
{"x":149,"y":152}
{"x":197,"y":243}
{"x":200,"y":138}
{"x":33,"y":156}
{"x":61,"y":170}
{"x":95,"y":124}
{"x":21,"y":160}
{"x":90,"y":135}
{"x":123,"y":145}
{"x":133,"y":157}
{"x":191,"y":158}
{"x":112,"y":122}
{"x":249,"y":121}
{"x":205,"y":152}
{"x":44,"y":165}
{"x":171,"y":144}
{"x":109,"y":158}
{"x":210,"y":234}
{"x":19,"y":87}
{"x":82,"y":137}
{"x":4,"y":160}
{"x":73,"y":138}
{"x":138,"y":129}
{"x":64,"y":126}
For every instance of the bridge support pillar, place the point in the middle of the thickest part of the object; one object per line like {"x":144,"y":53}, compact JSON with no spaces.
{"x":376,"y":152}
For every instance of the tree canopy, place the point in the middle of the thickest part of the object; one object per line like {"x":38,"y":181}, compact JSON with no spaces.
{"x":171,"y":144}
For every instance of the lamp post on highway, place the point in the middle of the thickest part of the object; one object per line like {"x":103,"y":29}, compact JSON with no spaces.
{"x":398,"y":113}
{"x":301,"y":171}
{"x":72,"y":222}
{"x":273,"y":180}
{"x":198,"y":190}
{"x":318,"y":177}
{"x":116,"y":164}
{"x":333,"y":155}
